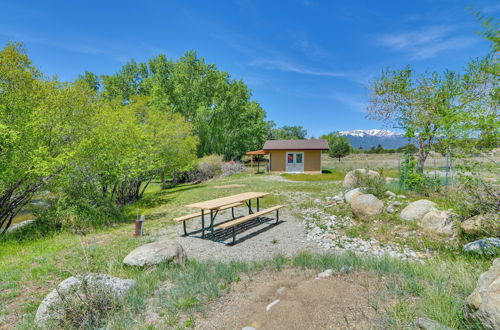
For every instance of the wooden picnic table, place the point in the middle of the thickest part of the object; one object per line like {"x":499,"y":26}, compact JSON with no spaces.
{"x":215,"y":205}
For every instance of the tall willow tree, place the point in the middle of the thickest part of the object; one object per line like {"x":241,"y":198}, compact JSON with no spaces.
{"x":42,"y":123}
{"x":220,"y":108}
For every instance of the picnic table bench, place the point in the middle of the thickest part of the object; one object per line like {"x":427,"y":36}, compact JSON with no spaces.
{"x":224,"y":203}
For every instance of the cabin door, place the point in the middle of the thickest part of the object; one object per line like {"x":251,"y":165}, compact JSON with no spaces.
{"x":294,"y":162}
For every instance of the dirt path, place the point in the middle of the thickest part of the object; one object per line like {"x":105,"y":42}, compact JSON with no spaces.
{"x":344,"y":301}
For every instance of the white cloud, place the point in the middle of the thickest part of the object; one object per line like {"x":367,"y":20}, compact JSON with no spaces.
{"x":426,"y":43}
{"x":287,"y":66}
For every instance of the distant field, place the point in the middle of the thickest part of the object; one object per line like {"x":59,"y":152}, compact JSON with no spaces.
{"x":435,"y":164}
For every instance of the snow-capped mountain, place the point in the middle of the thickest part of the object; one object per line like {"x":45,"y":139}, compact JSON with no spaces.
{"x":374,"y":137}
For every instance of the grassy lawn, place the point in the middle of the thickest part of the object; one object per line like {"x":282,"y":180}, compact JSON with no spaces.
{"x":327,"y":175}
{"x":31,"y":269}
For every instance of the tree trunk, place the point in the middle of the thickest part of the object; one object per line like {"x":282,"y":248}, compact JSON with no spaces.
{"x":422,"y":155}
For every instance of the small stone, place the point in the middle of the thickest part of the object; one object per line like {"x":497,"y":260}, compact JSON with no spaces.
{"x":271,"y":305}
{"x":281,"y":290}
{"x":329,"y":271}
{"x":428,"y":324}
{"x":486,"y":246}
{"x":393,"y":207}
{"x":390,"y":194}
{"x":324,"y":275}
{"x":417,"y":210}
{"x":248,"y":328}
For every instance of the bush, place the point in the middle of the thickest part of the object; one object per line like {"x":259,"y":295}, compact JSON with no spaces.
{"x":413,"y":180}
{"x":232,"y":167}
{"x":207,"y":167}
{"x":371,"y":185}
{"x":86,"y":307}
{"x":475,"y":196}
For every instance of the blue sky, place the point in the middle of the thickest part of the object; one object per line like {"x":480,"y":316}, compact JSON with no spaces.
{"x":308,"y":62}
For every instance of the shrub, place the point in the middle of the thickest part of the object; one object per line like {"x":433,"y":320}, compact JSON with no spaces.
{"x":207,"y":167}
{"x":413,"y":180}
{"x":86,"y":307}
{"x":475,"y":196}
{"x":371,"y":185}
{"x":232,"y":167}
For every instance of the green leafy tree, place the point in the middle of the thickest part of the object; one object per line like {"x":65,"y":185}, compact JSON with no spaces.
{"x":224,"y":118}
{"x":42,"y":122}
{"x":425,"y":105}
{"x":285,"y":132}
{"x":339,"y":145}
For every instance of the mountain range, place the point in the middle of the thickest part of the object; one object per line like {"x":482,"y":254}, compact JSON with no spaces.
{"x":373,"y":137}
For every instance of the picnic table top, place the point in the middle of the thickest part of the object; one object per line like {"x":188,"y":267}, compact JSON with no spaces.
{"x":219,"y":202}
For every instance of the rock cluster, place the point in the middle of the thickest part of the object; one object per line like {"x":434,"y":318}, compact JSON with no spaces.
{"x":324,"y":229}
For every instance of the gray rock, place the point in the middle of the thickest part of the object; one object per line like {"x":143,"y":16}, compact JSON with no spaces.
{"x":324,"y":275}
{"x":350,"y":179}
{"x":351,"y":194}
{"x":417,"y":210}
{"x":155,"y":253}
{"x":401,"y":196}
{"x":366,"y":206}
{"x":248,"y":328}
{"x":428,"y":324}
{"x":440,"y":222}
{"x":393,"y":207}
{"x":390,"y":194}
{"x":483,"y":304}
{"x":486,"y":246}
{"x":51,"y":307}
{"x":487,"y":224}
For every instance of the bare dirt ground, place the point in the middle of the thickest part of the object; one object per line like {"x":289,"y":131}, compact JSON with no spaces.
{"x":342,"y":301}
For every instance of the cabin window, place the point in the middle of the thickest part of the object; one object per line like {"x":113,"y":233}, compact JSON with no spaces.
{"x":290,"y":158}
{"x":298,"y":158}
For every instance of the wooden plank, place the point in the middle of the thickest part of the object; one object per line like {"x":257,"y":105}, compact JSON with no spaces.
{"x":248,"y":217}
{"x":207,"y":212}
{"x":220,"y":202}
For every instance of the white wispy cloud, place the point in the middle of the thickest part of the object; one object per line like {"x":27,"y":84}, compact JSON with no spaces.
{"x":355,"y":103}
{"x":287,"y":66}
{"x":426,"y":43}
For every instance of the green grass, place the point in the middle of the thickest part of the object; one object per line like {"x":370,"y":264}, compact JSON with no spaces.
{"x":30,"y":269}
{"x":328,"y":175}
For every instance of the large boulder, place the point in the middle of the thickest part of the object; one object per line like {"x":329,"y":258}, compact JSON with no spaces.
{"x":155,"y":253}
{"x":349,"y":196}
{"x":417,"y":210}
{"x":486,"y":246}
{"x":483,"y":304}
{"x":350,"y":178}
{"x":486,"y":225}
{"x":80,"y":287}
{"x":440,"y":222}
{"x":366,"y":206}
